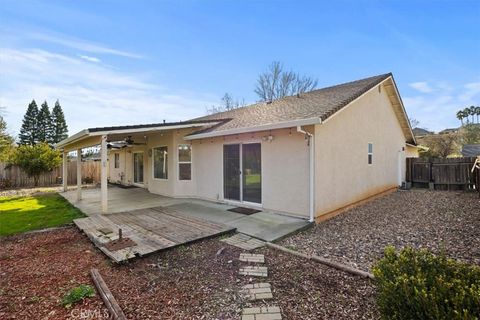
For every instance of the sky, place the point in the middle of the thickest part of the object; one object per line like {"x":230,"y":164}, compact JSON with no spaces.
{"x":127,"y":62}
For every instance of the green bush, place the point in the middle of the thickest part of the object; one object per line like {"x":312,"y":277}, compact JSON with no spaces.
{"x":415,"y":284}
{"x":77,"y":294}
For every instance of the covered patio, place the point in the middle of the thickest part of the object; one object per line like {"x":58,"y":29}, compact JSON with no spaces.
{"x":152,"y":222}
{"x":264,"y":225}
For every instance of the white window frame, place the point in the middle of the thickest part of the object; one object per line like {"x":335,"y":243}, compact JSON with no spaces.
{"x":153,"y":162}
{"x":116,"y":160}
{"x":184,"y":162}
{"x":369,"y":153}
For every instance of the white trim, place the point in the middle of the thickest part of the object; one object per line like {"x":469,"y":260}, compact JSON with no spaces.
{"x":264,"y":127}
{"x":356,"y":99}
{"x":184,"y":162}
{"x":85,"y":133}
{"x":153,"y":163}
{"x":369,"y":153}
{"x":366,"y":92}
{"x":77,"y":136}
{"x":160,"y":128}
{"x":142,"y":185}
{"x":241,"y":201}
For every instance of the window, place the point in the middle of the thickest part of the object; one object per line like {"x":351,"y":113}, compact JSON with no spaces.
{"x":160,"y":163}
{"x":370,"y":153}
{"x":117,"y":160}
{"x":184,"y":162}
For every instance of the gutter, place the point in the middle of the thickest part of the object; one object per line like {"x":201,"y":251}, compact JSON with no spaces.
{"x":311,"y":143}
{"x":264,"y":127}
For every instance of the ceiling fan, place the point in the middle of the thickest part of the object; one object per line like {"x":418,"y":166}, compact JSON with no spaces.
{"x":129,"y":141}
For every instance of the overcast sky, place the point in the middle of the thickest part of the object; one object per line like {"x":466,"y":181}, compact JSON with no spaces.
{"x":127,"y":62}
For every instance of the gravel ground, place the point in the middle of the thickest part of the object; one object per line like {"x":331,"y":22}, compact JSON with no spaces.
{"x":188,"y":282}
{"x":436,"y":220}
{"x":307,"y":290}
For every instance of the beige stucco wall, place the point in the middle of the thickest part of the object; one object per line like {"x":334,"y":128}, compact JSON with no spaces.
{"x":284,"y":169}
{"x":343,"y":175}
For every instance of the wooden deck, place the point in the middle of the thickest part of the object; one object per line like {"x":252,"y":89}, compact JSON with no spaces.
{"x":151,"y":229}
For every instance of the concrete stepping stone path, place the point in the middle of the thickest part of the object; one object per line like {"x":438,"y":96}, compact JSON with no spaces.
{"x":244,"y":242}
{"x":254,"y":271}
{"x":262,"y":313}
{"x":258,"y":291}
{"x":250,"y":257}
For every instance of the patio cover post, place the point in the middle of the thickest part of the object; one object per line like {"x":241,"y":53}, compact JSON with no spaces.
{"x":79,"y":174}
{"x":64,"y":171}
{"x":103,"y":169}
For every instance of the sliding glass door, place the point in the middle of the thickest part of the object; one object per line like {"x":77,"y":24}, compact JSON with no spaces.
{"x":231,"y":172}
{"x":138,"y":167}
{"x":242,"y":172}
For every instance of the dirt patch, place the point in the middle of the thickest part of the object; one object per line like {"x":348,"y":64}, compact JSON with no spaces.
{"x":198,"y":281}
{"x":308,"y":290}
{"x":119,"y":244}
{"x":37,"y":269}
{"x":436,"y":220}
{"x":189,"y":282}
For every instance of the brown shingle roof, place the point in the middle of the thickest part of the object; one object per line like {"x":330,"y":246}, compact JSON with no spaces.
{"x":321,"y":103}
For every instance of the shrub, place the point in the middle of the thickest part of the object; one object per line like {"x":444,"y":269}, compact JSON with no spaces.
{"x":415,"y":284}
{"x":77,"y":294}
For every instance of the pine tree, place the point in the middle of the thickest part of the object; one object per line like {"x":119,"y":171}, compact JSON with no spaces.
{"x":28,"y":132}
{"x":6,"y":140}
{"x":60,"y":129}
{"x":44,"y":124}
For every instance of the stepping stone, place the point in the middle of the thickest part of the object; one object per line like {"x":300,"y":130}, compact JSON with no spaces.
{"x":244,"y":242}
{"x":258,"y":291}
{"x":262,"y":313}
{"x":250,"y":257}
{"x":254,"y":271}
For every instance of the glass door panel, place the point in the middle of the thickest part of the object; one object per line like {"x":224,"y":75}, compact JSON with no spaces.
{"x":138,"y":167}
{"x":231,"y":171}
{"x":252,"y":172}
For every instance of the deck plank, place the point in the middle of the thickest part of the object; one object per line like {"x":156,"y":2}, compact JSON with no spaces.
{"x":152,"y":229}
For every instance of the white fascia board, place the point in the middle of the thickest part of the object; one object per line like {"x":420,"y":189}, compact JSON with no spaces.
{"x":265,"y":127}
{"x":77,"y":136}
{"x":160,"y":128}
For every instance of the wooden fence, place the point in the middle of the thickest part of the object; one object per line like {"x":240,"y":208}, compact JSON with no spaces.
{"x":14,"y":177}
{"x":443,"y":174}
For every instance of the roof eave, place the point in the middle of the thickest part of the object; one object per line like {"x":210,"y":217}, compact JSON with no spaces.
{"x":265,"y":127}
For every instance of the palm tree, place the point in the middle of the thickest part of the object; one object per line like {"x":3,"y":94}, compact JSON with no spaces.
{"x":472,"y":112}
{"x":460,"y":116}
{"x":477,"y":112}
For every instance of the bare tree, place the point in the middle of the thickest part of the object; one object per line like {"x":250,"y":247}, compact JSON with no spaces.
{"x":441,"y":145}
{"x":414,"y":122}
{"x":228,"y":103}
{"x":275,"y":83}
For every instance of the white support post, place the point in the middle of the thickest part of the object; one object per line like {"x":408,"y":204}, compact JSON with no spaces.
{"x":64,"y":171}
{"x":79,"y":174}
{"x":103,"y":169}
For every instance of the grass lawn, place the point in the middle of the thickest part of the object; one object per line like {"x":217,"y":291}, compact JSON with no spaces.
{"x":20,"y":214}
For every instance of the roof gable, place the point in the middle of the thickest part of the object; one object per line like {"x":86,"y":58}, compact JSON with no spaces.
{"x":318,"y":104}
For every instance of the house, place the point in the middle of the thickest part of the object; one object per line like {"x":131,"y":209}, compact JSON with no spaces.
{"x":471,"y":150}
{"x":304,"y":155}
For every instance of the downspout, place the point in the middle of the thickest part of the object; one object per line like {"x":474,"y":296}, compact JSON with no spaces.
{"x":311,"y":144}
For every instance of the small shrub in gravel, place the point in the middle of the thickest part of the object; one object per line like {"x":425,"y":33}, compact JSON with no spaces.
{"x":416,"y":284}
{"x":77,"y":294}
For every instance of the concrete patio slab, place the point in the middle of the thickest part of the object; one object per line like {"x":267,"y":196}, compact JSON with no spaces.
{"x":266,"y":226}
